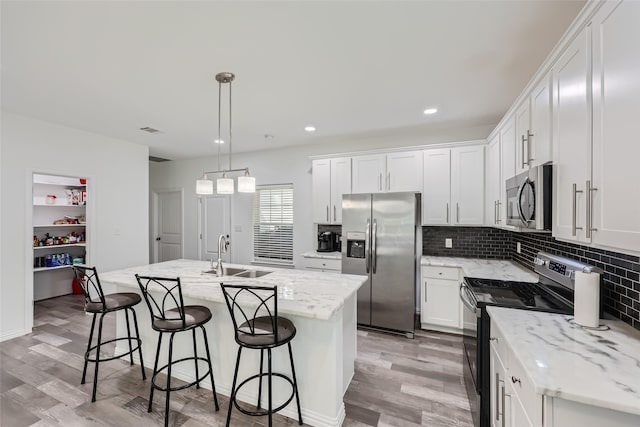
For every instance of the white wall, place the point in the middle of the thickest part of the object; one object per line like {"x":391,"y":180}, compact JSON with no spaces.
{"x":118,"y":214}
{"x":288,"y":165}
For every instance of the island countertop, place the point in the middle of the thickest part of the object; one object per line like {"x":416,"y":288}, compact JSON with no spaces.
{"x":304,"y":293}
{"x":600,"y":368}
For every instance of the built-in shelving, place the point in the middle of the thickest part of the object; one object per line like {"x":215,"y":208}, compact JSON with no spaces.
{"x":59,"y":225}
{"x":59,"y":246}
{"x":60,"y":267}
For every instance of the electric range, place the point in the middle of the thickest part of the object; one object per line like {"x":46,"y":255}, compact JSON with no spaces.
{"x":554,"y":292}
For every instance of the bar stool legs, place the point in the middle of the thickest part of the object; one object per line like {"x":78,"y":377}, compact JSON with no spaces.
{"x":232,"y":397}
{"x":295,"y":384}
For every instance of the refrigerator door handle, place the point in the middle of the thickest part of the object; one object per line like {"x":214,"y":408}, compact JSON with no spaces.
{"x":374,"y":249}
{"x":367,"y":244}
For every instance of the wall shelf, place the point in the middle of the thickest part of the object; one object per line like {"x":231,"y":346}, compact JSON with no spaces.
{"x":60,"y":225}
{"x":35,"y":248}
{"x":60,"y":267}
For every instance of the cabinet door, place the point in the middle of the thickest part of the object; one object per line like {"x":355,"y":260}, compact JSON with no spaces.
{"x":539,"y":141}
{"x":616,"y":103}
{"x":497,"y":390}
{"x":494,"y":182}
{"x":517,"y":412}
{"x":368,"y":173}
{"x":441,"y":302}
{"x":340,"y":184}
{"x":467,"y":185}
{"x":571,"y":138}
{"x":404,"y":171}
{"x":321,"y":190}
{"x":436,"y":192}
{"x":522,"y":134}
{"x":508,"y":158}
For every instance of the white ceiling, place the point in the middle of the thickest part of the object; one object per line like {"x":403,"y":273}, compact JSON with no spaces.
{"x":346,"y":67}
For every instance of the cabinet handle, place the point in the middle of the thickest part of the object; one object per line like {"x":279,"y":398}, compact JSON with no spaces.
{"x":457,"y":213}
{"x":388,"y":181}
{"x":588,"y":191}
{"x":447,"y":213}
{"x":334,"y":213}
{"x":529,"y":136}
{"x":575,"y":210}
{"x":497,"y":392}
{"x":380,"y":182}
{"x":522,"y":152}
{"x":327,"y":213}
{"x":515,"y":380}
{"x":499,"y":216}
{"x":495,"y":211}
{"x":493,"y":339}
{"x":504,"y":413}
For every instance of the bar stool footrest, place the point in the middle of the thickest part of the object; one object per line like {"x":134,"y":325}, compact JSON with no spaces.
{"x":182,"y":387}
{"x":138,"y":342}
{"x":264,"y":412}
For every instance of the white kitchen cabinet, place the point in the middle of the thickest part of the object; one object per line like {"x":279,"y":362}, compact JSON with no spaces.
{"x":539,"y":140}
{"x":572,"y":139}
{"x":323,"y":264}
{"x":369,"y":173}
{"x":508,"y":160}
{"x":616,"y":103}
{"x":440,"y":295}
{"x":467,"y":185}
{"x":523,"y":129}
{"x":384,"y":173}
{"x":453,"y":191}
{"x":498,"y":393}
{"x":330,"y":179}
{"x":436,"y":193}
{"x":494,"y":182}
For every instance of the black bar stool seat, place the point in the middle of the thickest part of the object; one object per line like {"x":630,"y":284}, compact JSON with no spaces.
{"x":96,"y":302}
{"x":170,"y":315}
{"x":265,"y":336}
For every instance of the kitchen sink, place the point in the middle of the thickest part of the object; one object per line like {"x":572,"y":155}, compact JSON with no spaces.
{"x":240,"y":272}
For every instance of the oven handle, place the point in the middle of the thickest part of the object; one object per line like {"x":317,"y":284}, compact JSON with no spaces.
{"x":519,"y":203}
{"x":464,"y":296}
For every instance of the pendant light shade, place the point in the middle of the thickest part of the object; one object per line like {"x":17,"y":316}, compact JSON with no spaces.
{"x":246,"y":183}
{"x":224,"y":185}
{"x":204,"y":186}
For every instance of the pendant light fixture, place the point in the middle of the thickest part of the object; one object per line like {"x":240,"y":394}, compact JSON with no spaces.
{"x":224,"y":184}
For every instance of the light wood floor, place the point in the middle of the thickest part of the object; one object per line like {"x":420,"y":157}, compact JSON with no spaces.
{"x":397,"y":382}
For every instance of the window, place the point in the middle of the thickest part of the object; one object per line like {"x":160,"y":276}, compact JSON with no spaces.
{"x":273,"y":224}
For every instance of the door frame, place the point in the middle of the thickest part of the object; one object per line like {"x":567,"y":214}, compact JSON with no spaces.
{"x":199,"y":208}
{"x":153,"y":232}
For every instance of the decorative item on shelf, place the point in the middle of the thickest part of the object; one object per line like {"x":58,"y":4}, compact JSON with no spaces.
{"x":224,"y":184}
{"x":50,"y":199}
{"x":74,"y":197}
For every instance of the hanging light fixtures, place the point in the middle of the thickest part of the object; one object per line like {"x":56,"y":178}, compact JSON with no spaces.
{"x":224,"y":184}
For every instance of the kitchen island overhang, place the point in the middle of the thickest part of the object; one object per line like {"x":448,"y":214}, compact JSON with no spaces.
{"x":321,"y":305}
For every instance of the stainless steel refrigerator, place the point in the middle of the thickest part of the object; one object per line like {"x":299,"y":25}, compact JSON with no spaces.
{"x":379,"y":240}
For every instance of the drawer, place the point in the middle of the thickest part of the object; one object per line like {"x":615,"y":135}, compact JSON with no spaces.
{"x":446,"y":273}
{"x":522,"y":386}
{"x":498,"y":343}
{"x":323,"y":264}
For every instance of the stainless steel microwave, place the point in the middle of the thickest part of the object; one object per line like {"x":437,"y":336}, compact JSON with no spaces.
{"x":529,"y":199}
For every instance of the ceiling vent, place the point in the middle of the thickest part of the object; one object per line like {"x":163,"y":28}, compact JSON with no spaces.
{"x":149,"y":129}
{"x":158,"y":159}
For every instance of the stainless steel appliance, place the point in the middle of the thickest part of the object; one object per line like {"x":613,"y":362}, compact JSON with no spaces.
{"x":328,"y":241}
{"x":379,"y":240}
{"x":554,"y":292}
{"x":529,"y":199}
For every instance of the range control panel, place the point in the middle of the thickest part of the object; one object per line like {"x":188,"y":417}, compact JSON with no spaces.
{"x":558,"y":268}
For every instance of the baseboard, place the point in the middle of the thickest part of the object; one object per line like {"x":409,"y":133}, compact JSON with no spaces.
{"x":311,"y":418}
{"x":14,"y":334}
{"x":438,"y":328}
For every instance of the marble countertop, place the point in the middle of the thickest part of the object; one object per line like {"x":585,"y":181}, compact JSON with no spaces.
{"x":322,"y":255}
{"x":600,"y":368}
{"x":304,"y":293}
{"x":484,"y":268}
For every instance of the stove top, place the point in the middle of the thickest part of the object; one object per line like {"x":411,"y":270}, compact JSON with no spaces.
{"x":519,"y":294}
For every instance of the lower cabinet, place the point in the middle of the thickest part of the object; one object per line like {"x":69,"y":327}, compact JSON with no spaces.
{"x":323,"y":264}
{"x":440,"y":307}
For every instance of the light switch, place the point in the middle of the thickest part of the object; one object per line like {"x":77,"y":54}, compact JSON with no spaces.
{"x":448,"y":243}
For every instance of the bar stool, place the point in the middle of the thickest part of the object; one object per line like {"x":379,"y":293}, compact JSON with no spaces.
{"x":264,"y":330}
{"x":170,"y":315}
{"x":96,"y":302}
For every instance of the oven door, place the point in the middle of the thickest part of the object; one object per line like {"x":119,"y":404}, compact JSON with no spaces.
{"x":471,"y":322}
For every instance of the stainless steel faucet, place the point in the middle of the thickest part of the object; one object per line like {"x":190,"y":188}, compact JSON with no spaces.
{"x":223,"y":245}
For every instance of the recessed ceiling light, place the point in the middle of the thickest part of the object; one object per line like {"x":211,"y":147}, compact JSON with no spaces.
{"x":218,"y":141}
{"x":430,"y":111}
{"x":149,"y":129}
{"x":268,"y":136}
{"x":310,"y":128}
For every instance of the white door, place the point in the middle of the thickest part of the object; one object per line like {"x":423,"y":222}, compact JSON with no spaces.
{"x":321,"y":190}
{"x":216,"y":220}
{"x":508,"y":159}
{"x":540,"y":141}
{"x":404,"y":171}
{"x":368,"y":173}
{"x":169,"y":226}
{"x":467,"y":185}
{"x":494,"y":182}
{"x":616,"y":104}
{"x":522,"y":134}
{"x":572,"y":138}
{"x":436,"y":192}
{"x":340,"y":184}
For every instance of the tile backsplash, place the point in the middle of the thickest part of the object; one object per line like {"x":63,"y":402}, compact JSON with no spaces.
{"x":621,"y":284}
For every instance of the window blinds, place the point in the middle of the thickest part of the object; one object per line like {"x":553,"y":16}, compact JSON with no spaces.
{"x":273,"y":224}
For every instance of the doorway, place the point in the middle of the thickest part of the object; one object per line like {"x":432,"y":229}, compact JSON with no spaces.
{"x":168,"y":230}
{"x":215,"y":219}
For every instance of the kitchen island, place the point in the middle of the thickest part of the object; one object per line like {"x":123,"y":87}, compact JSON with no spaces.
{"x":321,"y":305}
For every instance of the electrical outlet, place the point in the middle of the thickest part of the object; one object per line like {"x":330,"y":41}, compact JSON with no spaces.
{"x":448,"y":243}
{"x":518,"y":248}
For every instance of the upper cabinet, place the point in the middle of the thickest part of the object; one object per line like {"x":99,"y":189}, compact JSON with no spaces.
{"x":453,"y":186}
{"x":523,"y":132}
{"x":331,"y":178}
{"x":494,"y":182}
{"x":508,"y":161}
{"x":382,"y":173}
